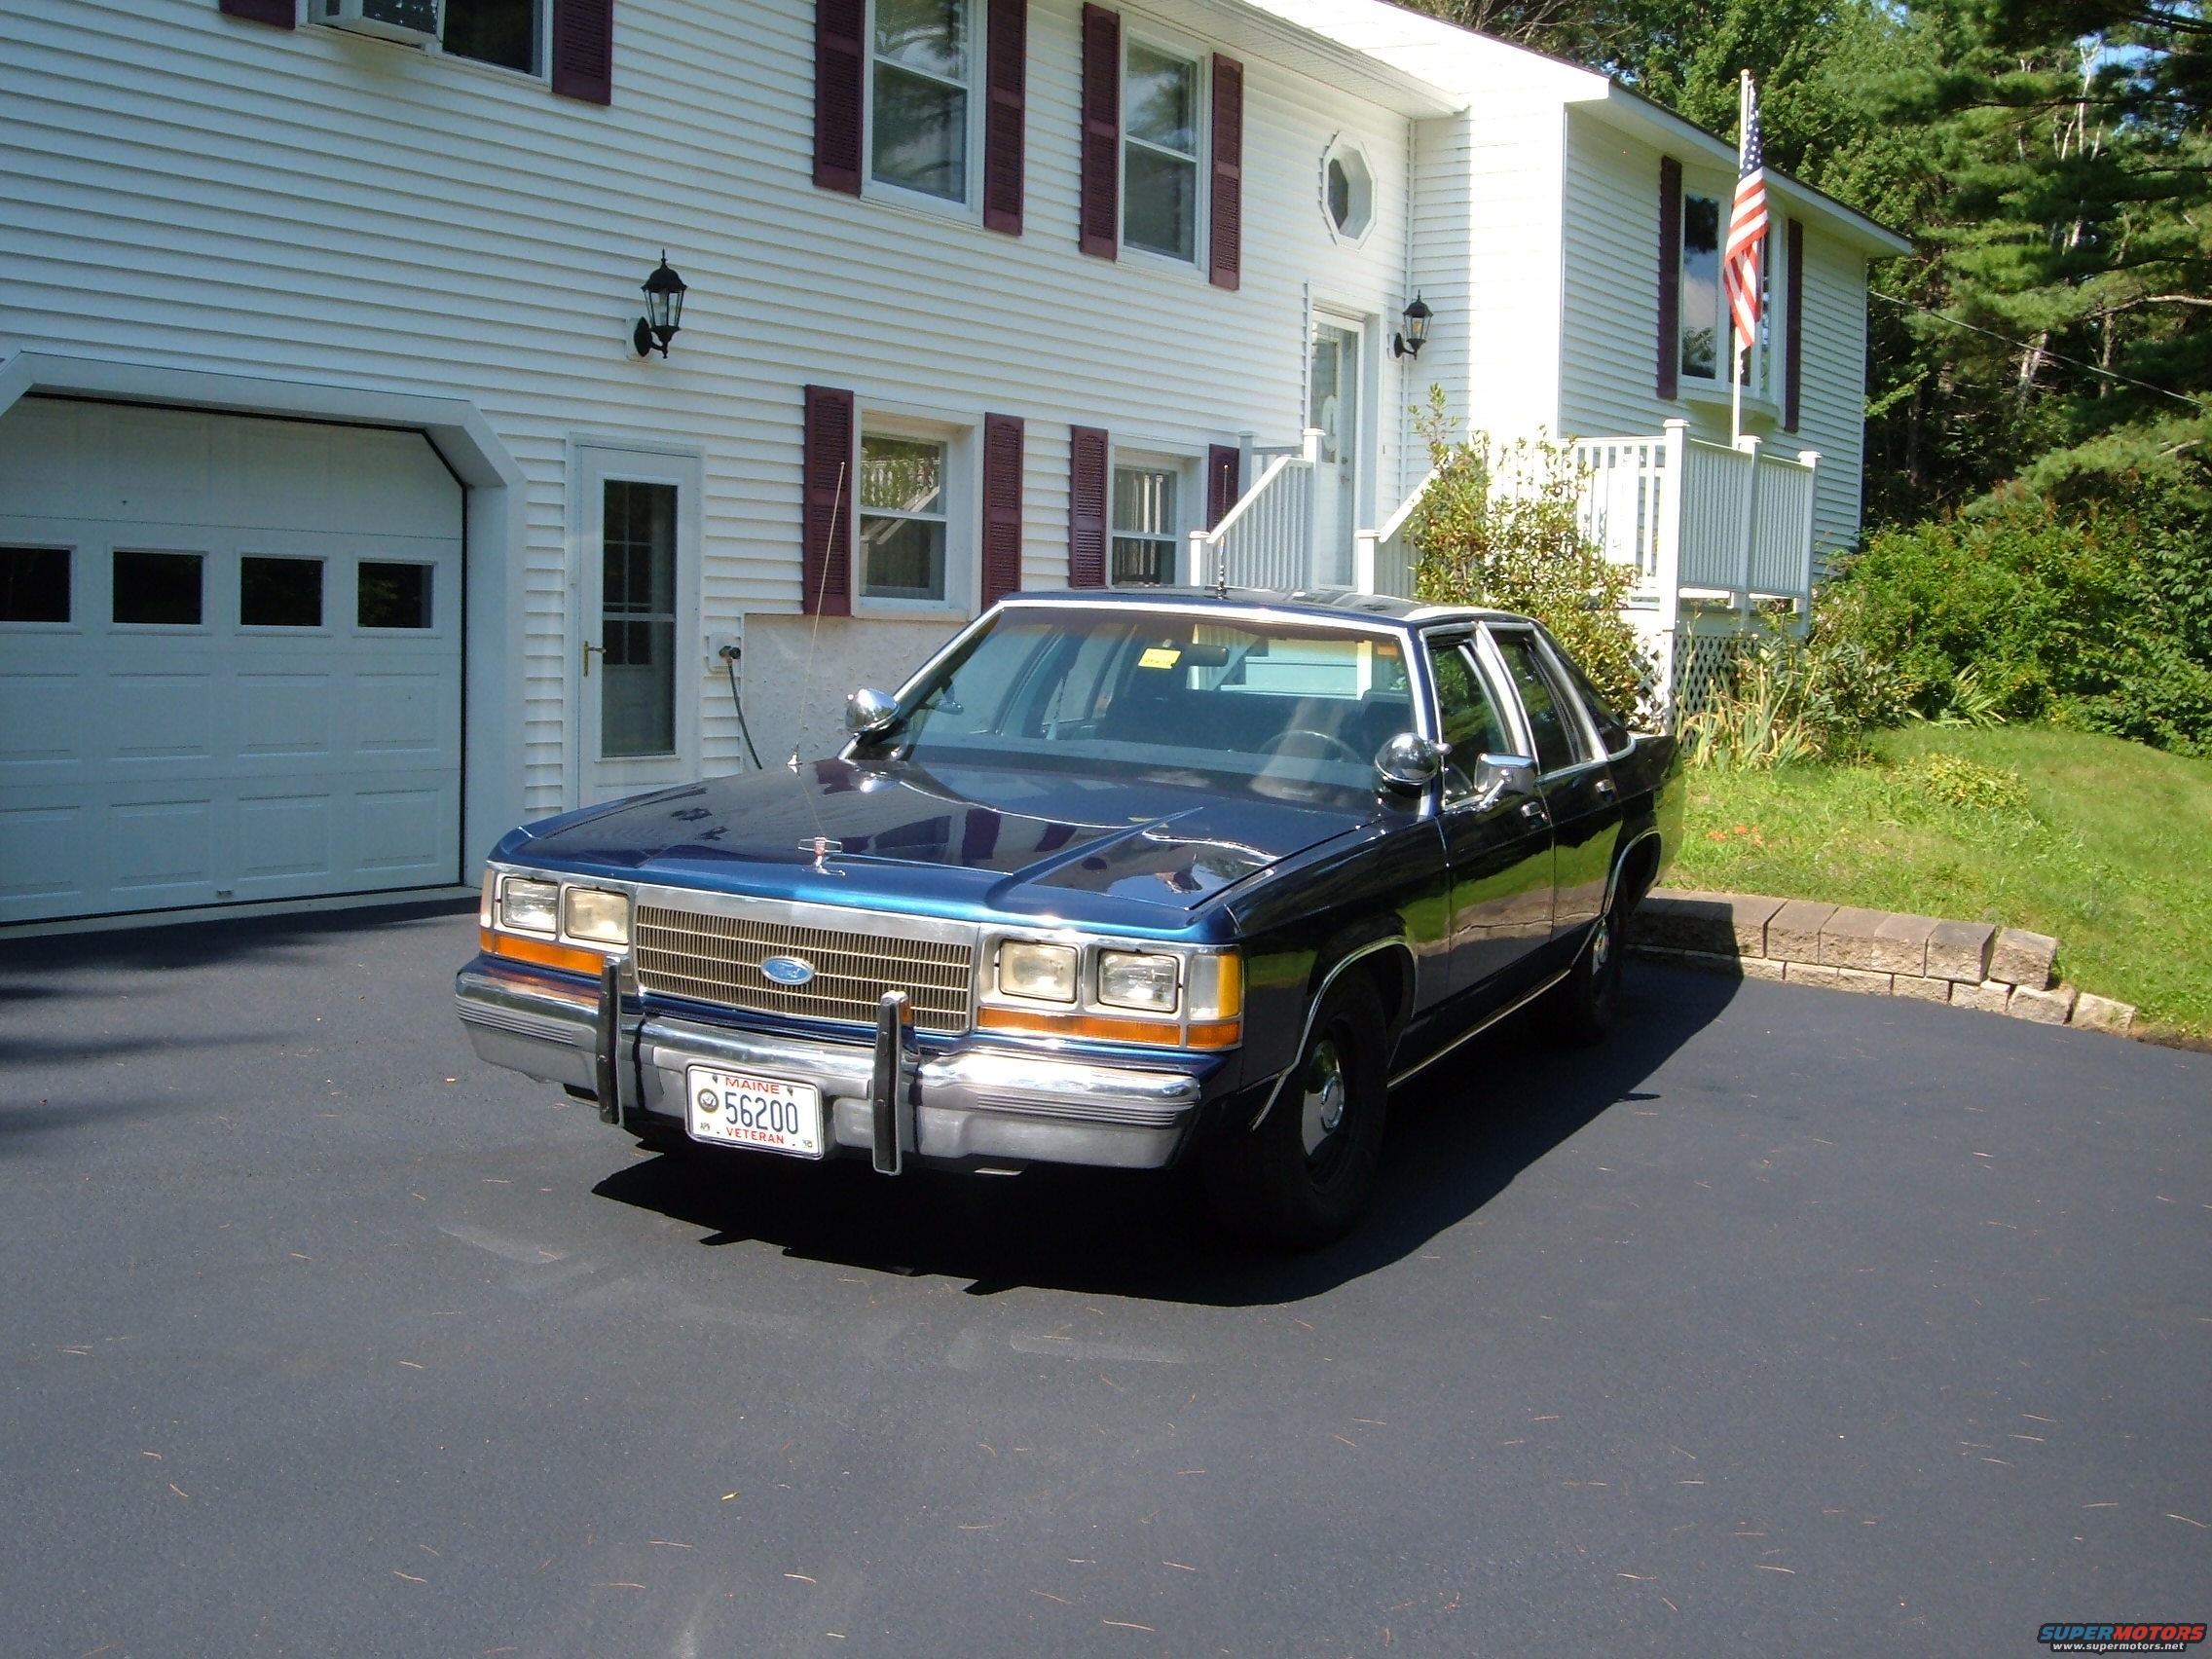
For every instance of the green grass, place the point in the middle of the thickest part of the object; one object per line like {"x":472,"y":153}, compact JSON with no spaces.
{"x":2104,"y":843}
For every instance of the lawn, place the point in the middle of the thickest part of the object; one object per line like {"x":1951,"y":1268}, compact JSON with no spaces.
{"x":2104,"y":843}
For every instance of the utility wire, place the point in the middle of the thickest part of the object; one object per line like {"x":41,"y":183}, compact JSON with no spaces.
{"x":2181,"y":398}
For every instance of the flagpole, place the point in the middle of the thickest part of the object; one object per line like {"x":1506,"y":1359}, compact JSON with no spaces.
{"x":1736,"y":345}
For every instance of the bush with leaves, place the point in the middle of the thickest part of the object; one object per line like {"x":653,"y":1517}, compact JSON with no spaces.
{"x":1500,"y":526}
{"x":2094,"y":621}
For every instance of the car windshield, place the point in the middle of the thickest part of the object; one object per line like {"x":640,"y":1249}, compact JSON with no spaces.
{"x":1271,"y":702}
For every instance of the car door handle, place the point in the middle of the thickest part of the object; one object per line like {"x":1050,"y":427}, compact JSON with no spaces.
{"x":1605,"y":786}
{"x":1533,"y":811}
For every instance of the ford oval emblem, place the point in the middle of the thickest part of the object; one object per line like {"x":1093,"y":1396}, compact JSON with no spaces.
{"x":788,"y":969}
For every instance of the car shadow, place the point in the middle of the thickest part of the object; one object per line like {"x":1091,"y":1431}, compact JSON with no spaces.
{"x":1498,"y":1106}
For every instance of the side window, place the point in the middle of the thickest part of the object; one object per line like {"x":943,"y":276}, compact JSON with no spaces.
{"x":1558,"y":734}
{"x":1612,"y":730}
{"x":1467,"y":718}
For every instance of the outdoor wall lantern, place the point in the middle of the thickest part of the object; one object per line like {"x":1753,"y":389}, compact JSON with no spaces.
{"x":664,"y":310}
{"x":1416,"y":336}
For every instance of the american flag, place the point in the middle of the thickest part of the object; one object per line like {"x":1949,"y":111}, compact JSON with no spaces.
{"x":1747,"y":227}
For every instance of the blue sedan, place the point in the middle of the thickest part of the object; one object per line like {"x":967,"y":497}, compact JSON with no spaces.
{"x":1116,"y":879}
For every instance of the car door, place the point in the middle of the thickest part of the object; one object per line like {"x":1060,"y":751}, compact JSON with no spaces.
{"x":1500,"y":854}
{"x":1577,"y":785}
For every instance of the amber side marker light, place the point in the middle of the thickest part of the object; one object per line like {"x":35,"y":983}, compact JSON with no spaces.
{"x":1158,"y":1033}
{"x":540,"y":952}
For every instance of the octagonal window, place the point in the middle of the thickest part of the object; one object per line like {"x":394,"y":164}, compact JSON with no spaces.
{"x":1347,"y":191}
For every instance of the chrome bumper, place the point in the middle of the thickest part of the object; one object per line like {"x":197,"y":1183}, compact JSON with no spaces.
{"x":971,"y":1106}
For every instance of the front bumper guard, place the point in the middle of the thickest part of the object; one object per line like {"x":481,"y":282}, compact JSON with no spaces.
{"x":886,"y":1099}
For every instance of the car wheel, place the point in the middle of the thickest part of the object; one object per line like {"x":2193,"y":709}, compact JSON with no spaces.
{"x":1582,"y":1008}
{"x":1300,"y":1179}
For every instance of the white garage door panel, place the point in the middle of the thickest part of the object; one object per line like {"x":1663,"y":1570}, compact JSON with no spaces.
{"x":153,"y":766}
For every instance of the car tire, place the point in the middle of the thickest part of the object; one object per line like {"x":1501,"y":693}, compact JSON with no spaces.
{"x":1583,"y":1006}
{"x":1299,"y":1180}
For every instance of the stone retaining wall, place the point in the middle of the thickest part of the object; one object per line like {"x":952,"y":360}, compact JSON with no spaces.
{"x":1967,"y":964}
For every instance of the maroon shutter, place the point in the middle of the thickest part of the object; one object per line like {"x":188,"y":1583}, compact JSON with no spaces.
{"x":1002,"y":506}
{"x":1670,"y":276}
{"x":1099,"y":223}
{"x":1086,"y":506}
{"x":825,"y":520}
{"x":1793,"y":329}
{"x":1222,"y":464}
{"x":1006,"y":76}
{"x":840,"y":56}
{"x":280,"y":13}
{"x":583,"y":50}
{"x":1225,"y":246}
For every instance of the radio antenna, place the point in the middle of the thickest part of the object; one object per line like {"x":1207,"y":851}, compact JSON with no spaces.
{"x":822,"y":589}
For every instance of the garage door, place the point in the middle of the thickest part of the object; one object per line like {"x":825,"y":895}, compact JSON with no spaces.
{"x":230,"y":660}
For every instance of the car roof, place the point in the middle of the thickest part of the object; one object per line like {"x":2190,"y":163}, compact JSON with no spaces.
{"x":1336,"y":604}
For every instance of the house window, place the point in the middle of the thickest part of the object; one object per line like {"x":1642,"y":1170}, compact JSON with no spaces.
{"x":390,"y":594}
{"x":1159,"y":152}
{"x":156,"y":589}
{"x":1347,"y":191}
{"x":1704,"y":333}
{"x":278,"y":592}
{"x":1146,"y":526}
{"x":500,"y":32}
{"x":924,"y":66}
{"x":904,"y":517}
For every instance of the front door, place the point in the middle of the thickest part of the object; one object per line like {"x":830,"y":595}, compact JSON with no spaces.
{"x":637,"y":680}
{"x":1500,"y":856}
{"x":1332,"y":409}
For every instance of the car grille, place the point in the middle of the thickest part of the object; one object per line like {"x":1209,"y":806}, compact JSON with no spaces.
{"x":716,"y":959}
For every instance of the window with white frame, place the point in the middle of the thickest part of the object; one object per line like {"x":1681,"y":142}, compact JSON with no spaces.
{"x":1703,"y":317}
{"x":904,"y":517}
{"x":500,"y":32}
{"x":923,"y":61}
{"x":1159,"y":151}
{"x":1147,"y":526}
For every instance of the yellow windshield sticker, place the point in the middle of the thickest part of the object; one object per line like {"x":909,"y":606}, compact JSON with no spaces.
{"x":1159,"y":656}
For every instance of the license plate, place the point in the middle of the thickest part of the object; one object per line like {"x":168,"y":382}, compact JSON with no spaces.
{"x":766,"y":1113}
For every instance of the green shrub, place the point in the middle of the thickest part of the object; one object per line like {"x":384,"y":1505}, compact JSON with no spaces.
{"x":1500,"y":527}
{"x":1755,"y":719}
{"x":2095,"y":621}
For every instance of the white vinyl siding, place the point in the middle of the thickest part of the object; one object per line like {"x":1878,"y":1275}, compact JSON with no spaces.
{"x":189,"y":191}
{"x":1609,"y":334}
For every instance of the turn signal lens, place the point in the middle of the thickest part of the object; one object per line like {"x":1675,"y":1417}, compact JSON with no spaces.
{"x":1216,"y":986}
{"x":1039,"y":973}
{"x":597,"y":915}
{"x":528,"y":906}
{"x":1130,"y":979}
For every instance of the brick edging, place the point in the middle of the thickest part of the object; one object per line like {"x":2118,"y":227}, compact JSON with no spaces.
{"x":1804,"y":942}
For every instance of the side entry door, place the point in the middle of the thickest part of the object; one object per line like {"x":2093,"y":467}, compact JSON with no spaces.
{"x":1577,"y":784}
{"x":1500,"y":854}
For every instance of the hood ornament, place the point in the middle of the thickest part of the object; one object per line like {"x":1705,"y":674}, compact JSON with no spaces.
{"x":821,"y":847}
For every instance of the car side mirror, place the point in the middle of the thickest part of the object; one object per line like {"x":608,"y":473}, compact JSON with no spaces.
{"x":871,"y":713}
{"x":1409,"y":762}
{"x":1498,"y":776}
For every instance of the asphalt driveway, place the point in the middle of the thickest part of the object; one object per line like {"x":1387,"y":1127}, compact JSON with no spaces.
{"x":1790,"y":1321}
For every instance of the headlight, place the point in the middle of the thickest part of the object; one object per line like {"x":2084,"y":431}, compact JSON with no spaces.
{"x":589,"y":912}
{"x":1127,"y":980}
{"x":1039,"y":973}
{"x":528,"y":906}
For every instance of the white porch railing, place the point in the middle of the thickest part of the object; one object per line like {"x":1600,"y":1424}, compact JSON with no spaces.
{"x":1383,"y":558}
{"x":1265,"y":540}
{"x":1701,"y":518}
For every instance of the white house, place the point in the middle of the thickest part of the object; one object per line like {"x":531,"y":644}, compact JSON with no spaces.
{"x":343,"y":523}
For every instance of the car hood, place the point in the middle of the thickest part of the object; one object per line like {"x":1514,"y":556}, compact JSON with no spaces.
{"x":1139,"y":846}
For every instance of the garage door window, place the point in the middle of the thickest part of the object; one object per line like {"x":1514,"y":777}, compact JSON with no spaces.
{"x":279,"y":593}
{"x":392,"y":594}
{"x":34,"y":584}
{"x":158,"y":589}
